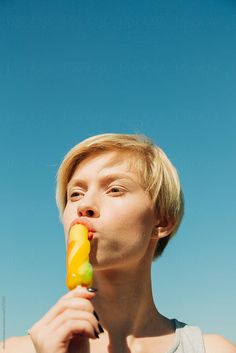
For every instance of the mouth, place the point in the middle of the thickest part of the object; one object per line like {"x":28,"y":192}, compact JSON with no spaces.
{"x":85,"y":223}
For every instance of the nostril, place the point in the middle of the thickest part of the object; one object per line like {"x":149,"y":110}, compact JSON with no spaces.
{"x":86,"y":212}
{"x":90,"y":213}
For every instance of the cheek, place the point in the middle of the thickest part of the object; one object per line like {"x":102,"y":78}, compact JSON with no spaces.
{"x":142,"y":221}
{"x":141,"y":213}
{"x":131,"y":221}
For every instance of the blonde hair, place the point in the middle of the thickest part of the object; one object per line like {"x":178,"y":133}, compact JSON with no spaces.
{"x":157,"y":174}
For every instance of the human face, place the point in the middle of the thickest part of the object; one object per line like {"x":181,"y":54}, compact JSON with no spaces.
{"x":105,"y":193}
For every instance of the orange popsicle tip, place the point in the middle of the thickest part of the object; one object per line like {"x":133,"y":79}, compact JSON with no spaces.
{"x":84,"y":223}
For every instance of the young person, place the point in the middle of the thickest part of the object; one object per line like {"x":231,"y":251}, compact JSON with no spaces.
{"x":126,"y":190}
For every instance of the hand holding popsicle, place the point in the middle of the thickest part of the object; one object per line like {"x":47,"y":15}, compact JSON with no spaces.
{"x":79,"y":270}
{"x":67,"y":326}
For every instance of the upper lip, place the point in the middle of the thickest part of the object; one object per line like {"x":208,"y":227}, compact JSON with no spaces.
{"x":85,"y":222}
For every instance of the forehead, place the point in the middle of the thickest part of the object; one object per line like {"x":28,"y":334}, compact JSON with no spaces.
{"x":105,"y":163}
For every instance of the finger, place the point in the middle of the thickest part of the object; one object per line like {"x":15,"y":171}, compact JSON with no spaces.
{"x":64,"y":327}
{"x":63,"y":303}
{"x":82,"y":292}
{"x":71,"y":315}
{"x":77,"y":304}
{"x":75,"y":327}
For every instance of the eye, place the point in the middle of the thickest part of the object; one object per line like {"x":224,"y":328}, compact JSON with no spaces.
{"x":116,"y":190}
{"x":76,"y":194}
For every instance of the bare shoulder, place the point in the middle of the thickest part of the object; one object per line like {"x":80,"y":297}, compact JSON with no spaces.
{"x":218,"y":344}
{"x":18,"y":344}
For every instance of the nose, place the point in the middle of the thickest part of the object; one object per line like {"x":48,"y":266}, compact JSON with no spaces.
{"x":86,"y":212}
{"x":86,"y":209}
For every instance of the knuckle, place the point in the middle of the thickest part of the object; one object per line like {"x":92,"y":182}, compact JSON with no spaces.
{"x":68,"y":314}
{"x":69,"y":326}
{"x":82,"y":304}
{"x":85,"y":306}
{"x":62,"y":303}
{"x":87,"y":327}
{"x":79,"y":327}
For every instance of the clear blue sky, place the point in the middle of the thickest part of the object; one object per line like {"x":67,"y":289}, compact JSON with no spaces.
{"x":72,"y":69}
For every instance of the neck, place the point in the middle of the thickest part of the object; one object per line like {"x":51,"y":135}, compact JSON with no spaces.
{"x":124,"y":302}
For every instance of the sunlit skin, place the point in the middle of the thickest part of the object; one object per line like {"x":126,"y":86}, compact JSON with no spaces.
{"x":123,"y":217}
{"x":106,"y":194}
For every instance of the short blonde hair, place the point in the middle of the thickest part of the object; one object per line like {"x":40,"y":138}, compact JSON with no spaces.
{"x":157,"y":175}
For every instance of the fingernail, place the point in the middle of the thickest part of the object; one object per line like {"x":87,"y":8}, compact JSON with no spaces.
{"x":96,"y":334}
{"x":96,"y":315}
{"x":92,"y":290}
{"x":100,"y":328}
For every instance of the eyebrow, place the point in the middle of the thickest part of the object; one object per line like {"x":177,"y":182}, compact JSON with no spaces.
{"x":103,"y":180}
{"x":115,"y":176}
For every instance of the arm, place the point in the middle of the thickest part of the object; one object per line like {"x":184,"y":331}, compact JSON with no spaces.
{"x":18,"y":344}
{"x":218,"y":344}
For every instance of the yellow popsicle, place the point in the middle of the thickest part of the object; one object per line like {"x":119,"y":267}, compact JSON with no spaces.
{"x":79,"y":270}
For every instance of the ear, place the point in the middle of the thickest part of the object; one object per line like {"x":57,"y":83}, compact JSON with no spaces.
{"x":162,"y":230}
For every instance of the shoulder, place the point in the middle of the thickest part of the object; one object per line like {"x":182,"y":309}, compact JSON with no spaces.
{"x":18,"y":344}
{"x":218,"y":344}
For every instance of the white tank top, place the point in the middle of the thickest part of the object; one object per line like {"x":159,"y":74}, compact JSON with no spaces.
{"x":188,"y":339}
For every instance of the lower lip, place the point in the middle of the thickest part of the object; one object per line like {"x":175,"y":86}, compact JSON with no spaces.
{"x":90,"y":236}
